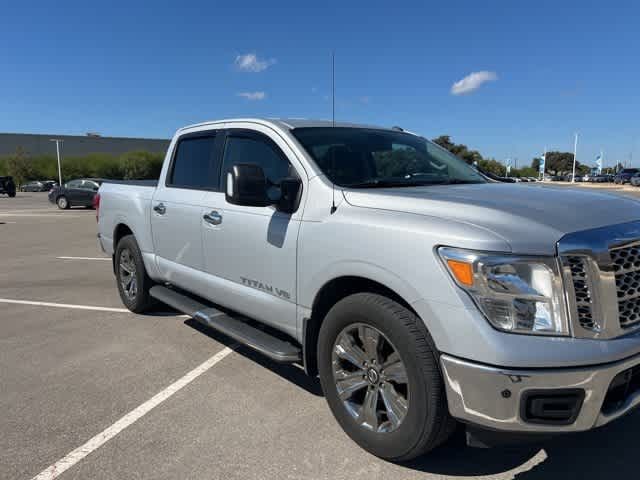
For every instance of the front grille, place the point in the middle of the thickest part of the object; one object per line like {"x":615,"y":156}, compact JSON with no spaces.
{"x":584,"y":304}
{"x":626,"y":266}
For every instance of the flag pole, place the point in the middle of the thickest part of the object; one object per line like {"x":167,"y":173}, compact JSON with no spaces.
{"x":575,"y":153}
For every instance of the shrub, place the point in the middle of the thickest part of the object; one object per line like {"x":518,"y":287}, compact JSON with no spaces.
{"x":139,"y":165}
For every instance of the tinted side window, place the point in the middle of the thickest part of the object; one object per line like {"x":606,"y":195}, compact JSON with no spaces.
{"x":260,"y":152}
{"x":88,"y":185}
{"x":74,"y":184}
{"x":194,"y":164}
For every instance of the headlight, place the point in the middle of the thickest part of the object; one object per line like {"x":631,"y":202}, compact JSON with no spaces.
{"x":515,"y":293}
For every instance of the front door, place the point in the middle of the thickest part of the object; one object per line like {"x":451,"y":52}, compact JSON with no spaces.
{"x":74,"y":192}
{"x":251,"y":252}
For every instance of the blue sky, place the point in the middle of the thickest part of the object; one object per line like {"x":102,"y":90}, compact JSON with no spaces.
{"x":143,"y":69}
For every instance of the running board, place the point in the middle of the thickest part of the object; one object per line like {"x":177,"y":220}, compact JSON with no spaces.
{"x":261,"y":341}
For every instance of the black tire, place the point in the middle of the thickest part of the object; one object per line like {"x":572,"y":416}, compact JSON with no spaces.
{"x":141,"y":301}
{"x":63,"y":203}
{"x":12,"y":194}
{"x":427,"y":422}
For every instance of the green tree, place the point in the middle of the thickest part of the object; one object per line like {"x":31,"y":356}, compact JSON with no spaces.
{"x":535,"y":164}
{"x":493,"y":166}
{"x":19,"y":166}
{"x":460,"y":150}
{"x":141,"y":165}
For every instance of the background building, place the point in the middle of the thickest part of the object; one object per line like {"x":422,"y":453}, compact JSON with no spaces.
{"x":77,"y":145}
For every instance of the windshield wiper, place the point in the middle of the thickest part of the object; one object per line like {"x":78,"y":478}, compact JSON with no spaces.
{"x":382,"y":183}
{"x":457,"y":181}
{"x":387,"y":184}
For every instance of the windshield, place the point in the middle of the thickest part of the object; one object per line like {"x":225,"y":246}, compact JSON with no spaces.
{"x":369,"y":158}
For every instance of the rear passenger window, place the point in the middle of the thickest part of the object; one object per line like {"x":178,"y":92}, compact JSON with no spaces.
{"x":194,"y":164}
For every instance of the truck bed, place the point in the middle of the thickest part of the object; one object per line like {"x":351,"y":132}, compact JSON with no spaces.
{"x":126,"y":202}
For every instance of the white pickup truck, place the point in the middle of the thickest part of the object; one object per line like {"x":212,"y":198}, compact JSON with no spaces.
{"x":423,"y":294}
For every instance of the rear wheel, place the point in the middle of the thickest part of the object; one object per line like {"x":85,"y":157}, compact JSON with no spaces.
{"x":133,"y":282}
{"x":380,"y":374}
{"x":62,"y":202}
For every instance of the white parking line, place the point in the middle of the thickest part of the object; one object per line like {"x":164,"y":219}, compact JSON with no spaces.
{"x":85,"y":258}
{"x":100,"y":439}
{"x":84,"y":307}
{"x":64,"y":305}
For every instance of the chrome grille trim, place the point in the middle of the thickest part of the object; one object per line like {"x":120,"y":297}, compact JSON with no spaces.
{"x":626,"y":266}
{"x":582,"y":291}
{"x":608,"y":311}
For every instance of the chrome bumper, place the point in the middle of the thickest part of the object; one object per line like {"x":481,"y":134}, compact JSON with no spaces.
{"x":491,"y":397}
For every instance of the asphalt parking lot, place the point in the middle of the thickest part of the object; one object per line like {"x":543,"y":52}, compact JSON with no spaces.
{"x":157,"y":396}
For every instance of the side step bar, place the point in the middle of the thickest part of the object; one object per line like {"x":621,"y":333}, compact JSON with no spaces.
{"x":261,"y":341}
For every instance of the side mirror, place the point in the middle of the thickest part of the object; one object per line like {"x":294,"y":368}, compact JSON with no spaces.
{"x":247,"y":186}
{"x":290,"y":189}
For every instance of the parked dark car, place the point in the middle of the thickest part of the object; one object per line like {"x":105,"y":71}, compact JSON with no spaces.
{"x":75,"y":193}
{"x":7,"y":186}
{"x":624,"y":175}
{"x":36,"y":186}
{"x":497,"y":178}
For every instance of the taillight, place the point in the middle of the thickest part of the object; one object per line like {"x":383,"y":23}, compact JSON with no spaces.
{"x":96,"y":204}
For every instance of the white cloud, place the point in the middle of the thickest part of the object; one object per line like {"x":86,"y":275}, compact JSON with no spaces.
{"x":472,"y":82}
{"x":253,"y":95}
{"x":251,"y":63}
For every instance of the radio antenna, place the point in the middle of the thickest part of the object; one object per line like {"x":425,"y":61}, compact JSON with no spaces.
{"x":333,"y":87}
{"x":333,"y":123}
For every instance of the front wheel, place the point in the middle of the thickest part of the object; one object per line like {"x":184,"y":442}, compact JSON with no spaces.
{"x":62,"y":202}
{"x":380,"y":374}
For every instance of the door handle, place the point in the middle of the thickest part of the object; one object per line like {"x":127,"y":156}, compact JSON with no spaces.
{"x":214,"y":218}
{"x":160,"y":208}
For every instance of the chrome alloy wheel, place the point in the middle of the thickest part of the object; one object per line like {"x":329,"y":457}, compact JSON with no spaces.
{"x":370,"y":378}
{"x":127,"y":270}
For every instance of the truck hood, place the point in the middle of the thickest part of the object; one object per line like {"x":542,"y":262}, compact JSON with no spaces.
{"x":530,"y":218}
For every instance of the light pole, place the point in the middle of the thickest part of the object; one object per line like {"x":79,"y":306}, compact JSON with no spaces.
{"x":58,"y":142}
{"x":575,"y":152}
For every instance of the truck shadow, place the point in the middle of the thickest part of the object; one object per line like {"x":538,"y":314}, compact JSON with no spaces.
{"x":609,"y":452}
{"x":293,"y":373}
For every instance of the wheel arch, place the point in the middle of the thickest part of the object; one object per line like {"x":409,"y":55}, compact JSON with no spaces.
{"x":120,"y":231}
{"x":327,"y":296}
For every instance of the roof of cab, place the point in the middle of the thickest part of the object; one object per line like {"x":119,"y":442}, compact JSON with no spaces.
{"x":288,"y":123}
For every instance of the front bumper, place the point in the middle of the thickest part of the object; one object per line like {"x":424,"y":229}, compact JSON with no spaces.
{"x":493,"y":397}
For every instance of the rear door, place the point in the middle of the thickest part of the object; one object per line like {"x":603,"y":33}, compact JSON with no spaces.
{"x":88,"y":189}
{"x":177,"y":207}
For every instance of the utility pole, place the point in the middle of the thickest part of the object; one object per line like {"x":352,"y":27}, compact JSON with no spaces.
{"x":575,"y":154}
{"x":58,"y":142}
